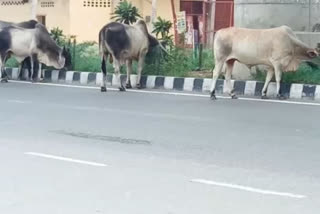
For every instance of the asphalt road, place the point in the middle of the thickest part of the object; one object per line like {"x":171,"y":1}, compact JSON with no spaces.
{"x":76,"y":150}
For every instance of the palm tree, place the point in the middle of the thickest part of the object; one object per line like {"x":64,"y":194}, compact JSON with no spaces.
{"x":153,"y":13}
{"x":126,"y":13}
{"x":162,"y":26}
{"x":34,"y":4}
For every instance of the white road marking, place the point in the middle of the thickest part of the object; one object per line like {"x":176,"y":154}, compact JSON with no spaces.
{"x":248,"y":189}
{"x":19,"y":101}
{"x":65,"y":159}
{"x":175,"y":93}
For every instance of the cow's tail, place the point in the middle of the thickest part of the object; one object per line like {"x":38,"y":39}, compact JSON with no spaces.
{"x":103,"y":50}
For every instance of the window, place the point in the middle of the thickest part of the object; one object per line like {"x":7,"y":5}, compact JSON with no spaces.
{"x":13,"y":2}
{"x":47,"y":4}
{"x":97,"y":3}
{"x":42,"y":20}
{"x":192,"y":7}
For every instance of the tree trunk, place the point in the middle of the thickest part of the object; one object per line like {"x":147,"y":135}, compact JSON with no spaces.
{"x":153,"y":13}
{"x":174,"y":22}
{"x":34,"y":4}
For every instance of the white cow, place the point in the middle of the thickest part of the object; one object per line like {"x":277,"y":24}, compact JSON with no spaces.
{"x":278,"y":48}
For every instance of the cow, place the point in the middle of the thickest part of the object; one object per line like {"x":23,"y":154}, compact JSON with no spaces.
{"x":22,"y":43}
{"x":32,"y":63}
{"x":123,"y":44}
{"x":277,"y":48}
{"x":27,"y":61}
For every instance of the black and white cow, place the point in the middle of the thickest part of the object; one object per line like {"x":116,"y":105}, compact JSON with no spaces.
{"x":31,"y":61}
{"x":124,"y":43}
{"x":22,"y":43}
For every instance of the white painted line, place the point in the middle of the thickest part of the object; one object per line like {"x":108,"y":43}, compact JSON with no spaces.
{"x":84,"y":78}
{"x":65,"y":159}
{"x":69,"y":76}
{"x":225,"y":88}
{"x":15,"y":73}
{"x":133,"y":80}
{"x":168,"y":82}
{"x":250,"y":88}
{"x":55,"y":75}
{"x":206,"y":86}
{"x":188,"y":84}
{"x":249,"y":189}
{"x":296,"y":91}
{"x":19,"y":101}
{"x":173,"y":93}
{"x":151,"y":81}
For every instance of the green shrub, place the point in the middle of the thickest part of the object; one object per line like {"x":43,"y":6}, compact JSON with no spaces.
{"x":305,"y":74}
{"x":12,"y":63}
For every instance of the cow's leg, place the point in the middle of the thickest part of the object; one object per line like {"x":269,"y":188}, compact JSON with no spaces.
{"x":4,"y":76}
{"x":20,"y":70}
{"x":216,"y":73}
{"x":228,"y":79}
{"x":31,"y":69}
{"x":129,"y":70}
{"x":104,"y":73}
{"x":266,"y":83}
{"x":278,"y":75}
{"x":140,"y":68}
{"x":116,"y":63}
{"x":40,"y":74}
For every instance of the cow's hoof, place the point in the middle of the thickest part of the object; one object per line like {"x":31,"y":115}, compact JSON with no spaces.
{"x":281,"y":97}
{"x":234,"y":97}
{"x":4,"y":80}
{"x":128,"y":86}
{"x":213,"y":96}
{"x":122,"y":88}
{"x":103,"y":89}
{"x":264,"y":97}
{"x":139,"y":86}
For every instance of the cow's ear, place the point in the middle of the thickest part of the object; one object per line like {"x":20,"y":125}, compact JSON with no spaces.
{"x":312,"y":53}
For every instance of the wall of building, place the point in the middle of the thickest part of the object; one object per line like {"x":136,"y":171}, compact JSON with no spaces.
{"x":87,"y":21}
{"x":57,"y":14}
{"x":15,"y":12}
{"x":163,"y":9}
{"x":273,"y":13}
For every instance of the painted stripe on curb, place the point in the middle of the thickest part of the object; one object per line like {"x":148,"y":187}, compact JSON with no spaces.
{"x":69,"y":77}
{"x":168,"y":82}
{"x":151,"y":81}
{"x":250,"y":88}
{"x":296,"y":91}
{"x":188,"y":84}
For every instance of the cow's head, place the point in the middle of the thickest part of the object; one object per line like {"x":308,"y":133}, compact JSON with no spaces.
{"x":49,"y":53}
{"x":312,"y":53}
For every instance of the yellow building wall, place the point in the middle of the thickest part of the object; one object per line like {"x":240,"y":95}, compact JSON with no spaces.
{"x":82,"y":21}
{"x":15,"y":13}
{"x":57,"y":16}
{"x":86,"y":22}
{"x":163,"y":9}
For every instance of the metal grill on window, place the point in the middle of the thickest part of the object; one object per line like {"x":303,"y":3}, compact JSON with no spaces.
{"x":97,"y":3}
{"x":47,"y":4}
{"x":14,"y":2}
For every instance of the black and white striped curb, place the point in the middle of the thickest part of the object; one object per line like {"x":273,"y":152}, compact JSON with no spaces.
{"x":247,"y":88}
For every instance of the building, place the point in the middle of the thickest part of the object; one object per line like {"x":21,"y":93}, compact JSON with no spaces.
{"x":82,"y":18}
